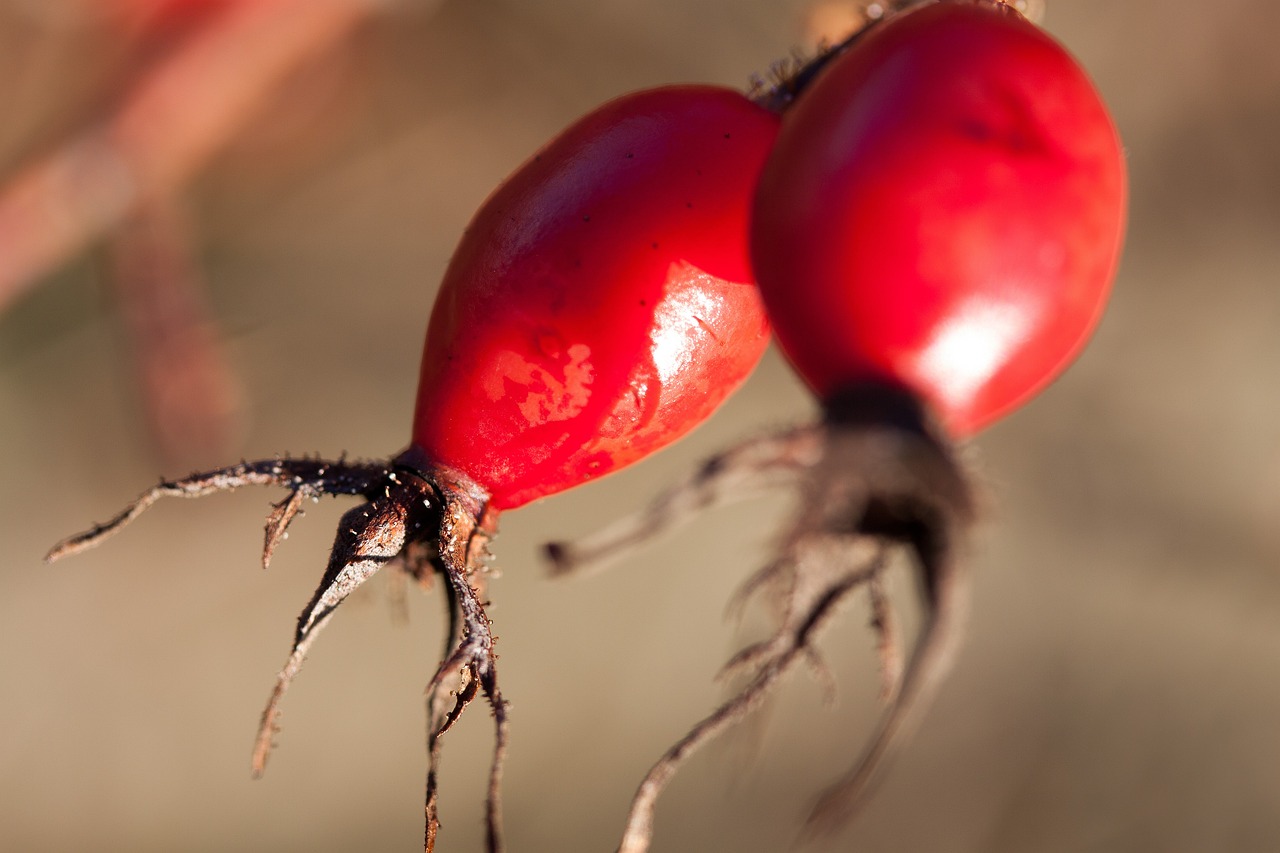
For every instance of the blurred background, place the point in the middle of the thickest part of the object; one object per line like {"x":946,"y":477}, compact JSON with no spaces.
{"x":1120,"y":688}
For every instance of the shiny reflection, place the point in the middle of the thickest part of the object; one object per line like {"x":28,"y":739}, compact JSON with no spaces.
{"x":969,"y":348}
{"x":689,"y":308}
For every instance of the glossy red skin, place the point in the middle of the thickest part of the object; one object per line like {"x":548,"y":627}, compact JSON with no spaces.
{"x":944,"y":208}
{"x":601,"y":303}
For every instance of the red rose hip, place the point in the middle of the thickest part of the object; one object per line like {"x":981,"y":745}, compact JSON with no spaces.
{"x":934,"y":234}
{"x":944,"y":208}
{"x":601,"y":303}
{"x":599,"y":306}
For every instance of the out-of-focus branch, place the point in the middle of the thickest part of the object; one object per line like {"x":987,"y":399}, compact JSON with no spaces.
{"x":193,"y":398}
{"x":177,"y":117}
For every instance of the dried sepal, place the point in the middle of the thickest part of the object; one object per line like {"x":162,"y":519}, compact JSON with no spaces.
{"x":314,"y":476}
{"x":369,"y":537}
{"x":408,"y":521}
{"x":876,"y":477}
{"x":751,"y":468}
{"x":469,"y":666}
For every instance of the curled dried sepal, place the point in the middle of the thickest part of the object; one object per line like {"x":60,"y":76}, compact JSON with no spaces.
{"x":419,"y":522}
{"x":778,"y":657}
{"x":918,"y":497}
{"x":278,"y":521}
{"x":888,"y":646}
{"x":469,"y":665}
{"x":306,"y":476}
{"x":875,"y":476}
{"x":751,"y":468}
{"x":369,"y":537}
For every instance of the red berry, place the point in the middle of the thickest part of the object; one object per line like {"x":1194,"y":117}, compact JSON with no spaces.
{"x":934,"y":235}
{"x":600,"y":306}
{"x":601,"y":303}
{"x":944,"y":208}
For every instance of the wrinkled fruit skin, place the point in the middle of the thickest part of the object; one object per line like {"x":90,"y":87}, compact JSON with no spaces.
{"x":601,"y":303}
{"x":944,"y":208}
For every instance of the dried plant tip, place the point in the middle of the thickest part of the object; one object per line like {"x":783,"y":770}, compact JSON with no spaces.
{"x":928,"y":666}
{"x":278,"y":522}
{"x":887,"y":642}
{"x":749,"y":469}
{"x":469,"y":666}
{"x":876,"y":476}
{"x":369,"y":537}
{"x":316,"y":476}
{"x":791,"y":649}
{"x":917,"y":496}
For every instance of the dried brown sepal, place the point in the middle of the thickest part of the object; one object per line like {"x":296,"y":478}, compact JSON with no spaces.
{"x":755,"y":467}
{"x":785,"y":651}
{"x":279,"y":519}
{"x":469,"y":666}
{"x":313,"y":476}
{"x":888,"y":644}
{"x":421,"y":524}
{"x":875,"y":477}
{"x":369,"y":537}
{"x":915,"y":495}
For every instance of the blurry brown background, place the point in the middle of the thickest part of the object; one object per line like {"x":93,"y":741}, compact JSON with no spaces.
{"x":1120,"y":689}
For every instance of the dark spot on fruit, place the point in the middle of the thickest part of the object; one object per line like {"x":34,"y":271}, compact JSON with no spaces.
{"x":706,"y":327}
{"x":1006,"y":120}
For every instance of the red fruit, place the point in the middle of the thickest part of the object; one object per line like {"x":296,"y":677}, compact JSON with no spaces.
{"x":944,"y":208}
{"x":600,"y":306}
{"x":601,"y":303}
{"x":934,"y":235}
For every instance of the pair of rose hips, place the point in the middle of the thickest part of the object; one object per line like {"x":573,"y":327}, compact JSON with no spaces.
{"x":929,"y":219}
